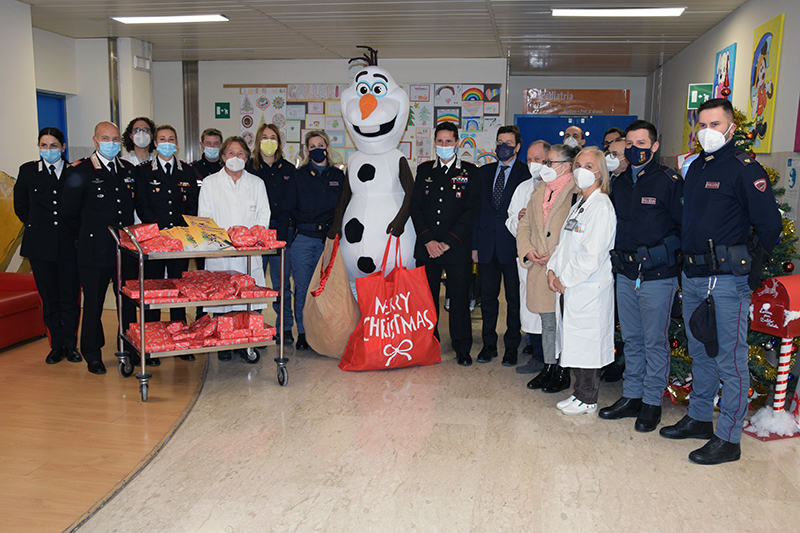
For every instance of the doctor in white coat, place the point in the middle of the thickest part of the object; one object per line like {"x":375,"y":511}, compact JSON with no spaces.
{"x":580,"y":270}
{"x":531,"y":322}
{"x":234,"y":197}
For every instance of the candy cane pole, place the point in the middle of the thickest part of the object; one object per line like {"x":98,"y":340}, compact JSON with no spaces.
{"x":783,"y":375}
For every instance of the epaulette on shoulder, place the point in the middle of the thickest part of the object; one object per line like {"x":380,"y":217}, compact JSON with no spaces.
{"x":744,"y":158}
{"x":29,"y":163}
{"x":78,"y":162}
{"x":673,"y":175}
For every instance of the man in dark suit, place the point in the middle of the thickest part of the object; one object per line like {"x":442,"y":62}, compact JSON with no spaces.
{"x":444,"y":207}
{"x":100,"y":192}
{"x":495,"y":249}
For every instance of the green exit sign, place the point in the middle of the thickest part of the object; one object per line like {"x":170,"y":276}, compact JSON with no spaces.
{"x":222,"y":110}
{"x":699,"y":93}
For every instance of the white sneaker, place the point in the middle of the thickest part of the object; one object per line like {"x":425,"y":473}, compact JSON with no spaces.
{"x":563,"y":403}
{"x":577,"y":407}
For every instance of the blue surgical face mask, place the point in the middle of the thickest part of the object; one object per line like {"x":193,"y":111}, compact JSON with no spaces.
{"x":504,"y":152}
{"x":445,"y":153}
{"x":109,"y":150}
{"x":166,"y":150}
{"x":637,"y":156}
{"x":211,"y":153}
{"x":51,"y":156}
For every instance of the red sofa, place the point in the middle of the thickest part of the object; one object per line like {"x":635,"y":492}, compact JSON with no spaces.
{"x":20,"y":309}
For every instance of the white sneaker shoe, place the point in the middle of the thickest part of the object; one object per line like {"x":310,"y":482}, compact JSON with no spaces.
{"x":563,"y":403}
{"x":577,"y":407}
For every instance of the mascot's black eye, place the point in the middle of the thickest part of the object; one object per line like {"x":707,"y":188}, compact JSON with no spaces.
{"x":362,"y":89}
{"x":379,"y":89}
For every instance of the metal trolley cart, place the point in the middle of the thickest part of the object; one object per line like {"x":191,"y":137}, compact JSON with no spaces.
{"x":253,"y":354}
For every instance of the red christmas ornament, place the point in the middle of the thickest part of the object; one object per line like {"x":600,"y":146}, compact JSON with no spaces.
{"x":788,"y":266}
{"x":753,"y":155}
{"x":750,"y":135}
{"x":674,"y":343}
{"x":794,"y":348}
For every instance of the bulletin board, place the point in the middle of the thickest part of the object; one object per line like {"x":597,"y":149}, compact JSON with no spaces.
{"x":298,"y":108}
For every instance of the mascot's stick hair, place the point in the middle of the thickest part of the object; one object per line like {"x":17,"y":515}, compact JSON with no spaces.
{"x":370,"y":59}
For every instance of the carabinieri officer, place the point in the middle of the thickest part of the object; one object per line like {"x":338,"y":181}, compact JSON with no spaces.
{"x":100,"y":192}
{"x":49,"y":246}
{"x":445,"y":205}
{"x":648,"y":200}
{"x":726,"y":194}
{"x":168,"y":190}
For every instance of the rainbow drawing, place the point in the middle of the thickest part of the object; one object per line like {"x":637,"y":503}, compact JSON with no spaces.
{"x":443,"y":87}
{"x":472,"y":124}
{"x":447,"y":117}
{"x":468,"y":142}
{"x":486,"y":157}
{"x":472,"y":95}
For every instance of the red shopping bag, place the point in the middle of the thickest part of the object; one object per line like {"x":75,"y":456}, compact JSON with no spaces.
{"x":397,"y":320}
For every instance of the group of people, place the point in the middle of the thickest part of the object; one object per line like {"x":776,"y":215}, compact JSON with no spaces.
{"x":566,"y":235}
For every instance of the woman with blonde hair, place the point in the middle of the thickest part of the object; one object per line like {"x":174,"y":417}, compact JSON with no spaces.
{"x":580,"y":272}
{"x":310,"y":203}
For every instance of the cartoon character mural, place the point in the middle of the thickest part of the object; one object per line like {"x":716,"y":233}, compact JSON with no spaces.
{"x":724,"y":71}
{"x":375,"y":200}
{"x":761,"y":88}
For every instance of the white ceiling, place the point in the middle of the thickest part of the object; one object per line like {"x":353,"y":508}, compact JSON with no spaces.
{"x":524,"y":31}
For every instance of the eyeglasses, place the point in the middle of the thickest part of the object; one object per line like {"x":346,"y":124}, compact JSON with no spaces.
{"x":550,"y":162}
{"x":141,"y":130}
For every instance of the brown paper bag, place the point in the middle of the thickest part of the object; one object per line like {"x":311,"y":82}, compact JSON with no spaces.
{"x":331,"y":311}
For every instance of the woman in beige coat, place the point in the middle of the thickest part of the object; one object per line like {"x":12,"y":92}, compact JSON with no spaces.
{"x":537,"y":238}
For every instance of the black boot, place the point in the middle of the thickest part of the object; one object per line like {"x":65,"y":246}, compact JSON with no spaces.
{"x":559,"y":382}
{"x":301,"y":342}
{"x":544,"y":377}
{"x":648,"y":418}
{"x":688,"y":428}
{"x":716,"y":451}
{"x":622,"y":408}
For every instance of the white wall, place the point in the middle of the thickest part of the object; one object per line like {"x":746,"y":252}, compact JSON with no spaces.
{"x":168,"y":96}
{"x":518,"y":84}
{"x":135,"y":86}
{"x":55,"y":62}
{"x":695,"y":64}
{"x":18,"y":114}
{"x":92,"y":103}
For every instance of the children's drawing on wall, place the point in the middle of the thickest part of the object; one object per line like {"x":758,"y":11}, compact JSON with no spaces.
{"x":723,"y":72}
{"x":763,"y":81}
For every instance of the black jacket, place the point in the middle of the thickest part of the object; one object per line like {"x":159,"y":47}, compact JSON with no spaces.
{"x":278,"y":178}
{"x":165,"y":199}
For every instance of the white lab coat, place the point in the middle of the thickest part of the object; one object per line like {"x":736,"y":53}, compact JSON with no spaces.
{"x":531,"y":322}
{"x":243,"y":203}
{"x":581,"y":261}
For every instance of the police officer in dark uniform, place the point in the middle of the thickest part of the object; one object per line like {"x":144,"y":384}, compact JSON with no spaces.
{"x":167,"y":190}
{"x":445,"y":204}
{"x":100,"y":191}
{"x":49,"y":246}
{"x":209,"y":163}
{"x":310,"y":205}
{"x":277,"y":173}
{"x":727,"y":193}
{"x":648,"y":200}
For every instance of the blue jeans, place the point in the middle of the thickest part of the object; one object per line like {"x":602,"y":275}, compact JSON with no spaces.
{"x":274,"y":264}
{"x":306,"y":252}
{"x":644,"y":317}
{"x":732,"y":301}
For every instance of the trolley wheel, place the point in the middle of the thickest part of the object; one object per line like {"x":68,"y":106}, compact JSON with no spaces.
{"x":143,"y":389}
{"x":283,"y":376}
{"x":252,"y":356}
{"x":125,"y":370}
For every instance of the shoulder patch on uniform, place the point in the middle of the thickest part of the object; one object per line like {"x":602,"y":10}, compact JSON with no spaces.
{"x":744,"y":158}
{"x":760,"y":184}
{"x":29,"y":163}
{"x":674,"y":176}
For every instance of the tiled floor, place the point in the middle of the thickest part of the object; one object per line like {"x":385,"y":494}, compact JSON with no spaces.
{"x":435,"y":449}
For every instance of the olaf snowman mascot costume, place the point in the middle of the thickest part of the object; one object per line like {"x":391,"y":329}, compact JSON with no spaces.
{"x":376,"y":197}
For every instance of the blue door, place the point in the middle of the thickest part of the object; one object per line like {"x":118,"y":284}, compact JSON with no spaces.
{"x":52,"y":110}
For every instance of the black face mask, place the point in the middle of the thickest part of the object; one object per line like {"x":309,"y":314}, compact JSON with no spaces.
{"x":318,"y":155}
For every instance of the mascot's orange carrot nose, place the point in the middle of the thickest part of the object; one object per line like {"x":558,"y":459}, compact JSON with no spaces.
{"x":368,"y":103}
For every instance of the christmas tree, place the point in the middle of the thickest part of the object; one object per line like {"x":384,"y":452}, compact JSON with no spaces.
{"x":762,"y":353}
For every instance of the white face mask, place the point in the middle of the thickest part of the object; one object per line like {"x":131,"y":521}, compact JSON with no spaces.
{"x":612,"y":163}
{"x":584,"y":178}
{"x":712,"y":140}
{"x":234,"y":164}
{"x":535,"y":168}
{"x":571,"y":142}
{"x":142,"y":139}
{"x":547,"y":174}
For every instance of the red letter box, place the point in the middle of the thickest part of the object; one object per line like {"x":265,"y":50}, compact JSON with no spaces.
{"x":776,"y":307}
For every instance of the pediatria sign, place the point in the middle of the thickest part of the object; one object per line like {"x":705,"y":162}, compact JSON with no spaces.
{"x":577,"y":101}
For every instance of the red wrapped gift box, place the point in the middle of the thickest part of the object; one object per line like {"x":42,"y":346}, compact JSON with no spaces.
{"x":242,"y":236}
{"x":203,"y":328}
{"x":258,"y":292}
{"x":153,"y":288}
{"x":191,"y":344}
{"x":162,"y":244}
{"x":237,"y":334}
{"x":142,"y":232}
{"x":176,"y":326}
{"x":241,"y":281}
{"x":263,"y":234}
{"x":252,"y":320}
